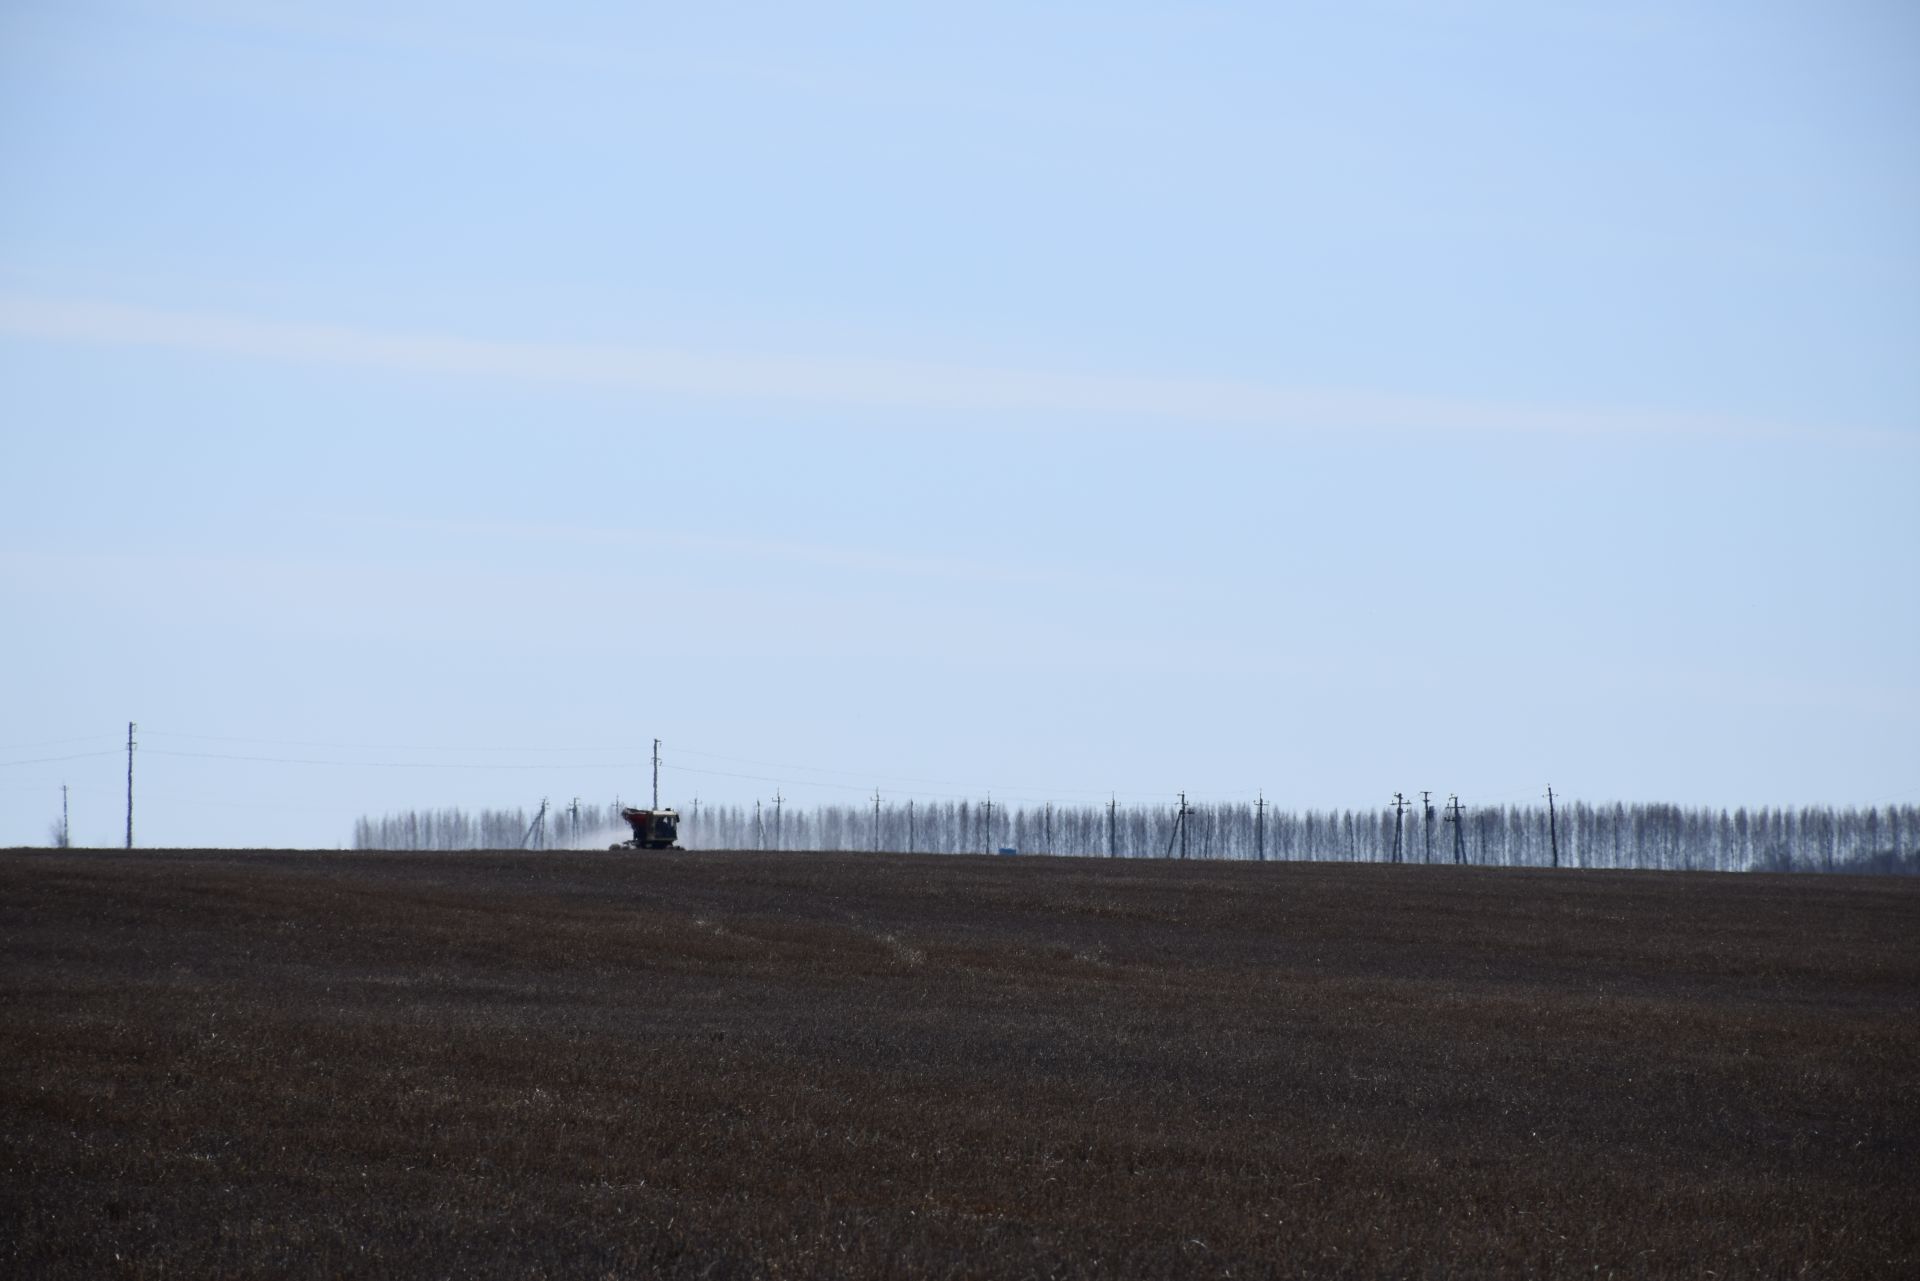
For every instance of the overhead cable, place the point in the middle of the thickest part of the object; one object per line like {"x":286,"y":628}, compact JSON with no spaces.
{"x":77,"y":756}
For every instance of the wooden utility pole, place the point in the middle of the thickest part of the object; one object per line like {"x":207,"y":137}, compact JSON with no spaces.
{"x":1553,"y":828}
{"x":1426,"y":802}
{"x":909,"y":825}
{"x":1400,"y":806}
{"x":876,"y":820}
{"x":1112,"y":849}
{"x":1459,"y":836}
{"x":130,"y":728}
{"x":777,"y":801}
{"x":759,"y":827}
{"x":536,"y":830}
{"x":1260,"y":828}
{"x":986,"y":821}
{"x":1047,"y":829}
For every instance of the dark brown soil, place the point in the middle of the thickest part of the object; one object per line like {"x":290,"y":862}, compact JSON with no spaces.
{"x":739,"y":1065}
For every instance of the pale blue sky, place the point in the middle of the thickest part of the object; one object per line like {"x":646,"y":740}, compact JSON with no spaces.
{"x":1324,"y":399}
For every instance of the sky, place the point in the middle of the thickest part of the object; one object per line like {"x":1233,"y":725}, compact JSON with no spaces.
{"x":432,"y":405}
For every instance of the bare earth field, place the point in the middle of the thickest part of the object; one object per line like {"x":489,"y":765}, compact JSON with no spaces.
{"x":745,"y":1065}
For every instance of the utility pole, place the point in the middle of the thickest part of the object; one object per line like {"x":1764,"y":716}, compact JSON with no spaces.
{"x":66,"y":833}
{"x":1400,"y":806}
{"x":1183,"y":825}
{"x":130,"y":728}
{"x":1459,"y":835}
{"x":656,"y":773}
{"x":876,"y":820}
{"x":759,"y":828}
{"x":1260,"y":828}
{"x":1047,"y":828}
{"x":1112,"y":848}
{"x":777,"y":800}
{"x":986,"y":821}
{"x":1426,"y":803}
{"x":909,"y":825}
{"x":1553,"y":828}
{"x":573,"y":811}
{"x":536,"y":830}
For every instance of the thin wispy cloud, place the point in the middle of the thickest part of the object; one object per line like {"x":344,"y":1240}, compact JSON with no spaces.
{"x":854,"y":559}
{"x":853,"y":382}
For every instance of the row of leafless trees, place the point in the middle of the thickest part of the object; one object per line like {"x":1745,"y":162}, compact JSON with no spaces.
{"x":444,"y":829}
{"x":1574,"y":834}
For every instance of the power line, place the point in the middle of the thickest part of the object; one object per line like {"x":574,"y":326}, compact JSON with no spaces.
{"x":962,"y":789}
{"x":1035,"y":796}
{"x":865,"y":774}
{"x":76,"y":756}
{"x":56,"y":742}
{"x":379,"y":747}
{"x":440,"y":765}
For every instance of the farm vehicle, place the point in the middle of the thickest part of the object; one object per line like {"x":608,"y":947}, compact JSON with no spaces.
{"x":652,"y":830}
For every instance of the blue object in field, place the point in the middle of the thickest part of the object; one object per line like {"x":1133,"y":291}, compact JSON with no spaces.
{"x":1008,"y":849}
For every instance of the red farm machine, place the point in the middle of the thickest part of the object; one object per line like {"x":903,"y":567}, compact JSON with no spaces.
{"x":655,"y":828}
{"x":652,"y":830}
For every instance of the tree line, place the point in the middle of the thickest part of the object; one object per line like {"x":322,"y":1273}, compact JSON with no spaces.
{"x":1569,"y":834}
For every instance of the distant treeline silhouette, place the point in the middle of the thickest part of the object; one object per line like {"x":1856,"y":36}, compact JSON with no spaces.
{"x":1809,"y":839}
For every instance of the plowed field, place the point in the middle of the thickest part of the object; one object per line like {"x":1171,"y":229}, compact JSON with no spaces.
{"x":800,"y":1065}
